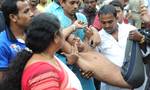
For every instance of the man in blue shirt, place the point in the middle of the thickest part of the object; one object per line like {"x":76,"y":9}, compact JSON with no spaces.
{"x":17,"y":16}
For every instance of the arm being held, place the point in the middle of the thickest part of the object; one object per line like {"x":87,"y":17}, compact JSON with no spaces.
{"x":108,"y":72}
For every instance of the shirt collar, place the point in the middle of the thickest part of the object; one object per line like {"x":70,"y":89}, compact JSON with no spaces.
{"x":9,"y":34}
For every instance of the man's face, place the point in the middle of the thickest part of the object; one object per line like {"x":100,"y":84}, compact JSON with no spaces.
{"x":74,"y":40}
{"x":33,"y":2}
{"x":119,"y":14}
{"x":108,"y":22}
{"x":70,"y":6}
{"x":24,"y":14}
{"x":90,"y":5}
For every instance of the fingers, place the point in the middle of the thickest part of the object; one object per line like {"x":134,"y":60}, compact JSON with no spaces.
{"x":131,"y":35}
{"x":135,"y":35}
{"x":87,"y":74}
{"x":80,"y":24}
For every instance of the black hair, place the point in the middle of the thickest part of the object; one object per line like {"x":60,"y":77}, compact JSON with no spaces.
{"x":84,"y":0}
{"x":40,"y":34}
{"x":9,"y":7}
{"x":116,"y":3}
{"x":1,"y":1}
{"x":108,"y":9}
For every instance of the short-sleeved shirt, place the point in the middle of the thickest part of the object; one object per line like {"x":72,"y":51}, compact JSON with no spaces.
{"x":87,"y":84}
{"x":9,"y":47}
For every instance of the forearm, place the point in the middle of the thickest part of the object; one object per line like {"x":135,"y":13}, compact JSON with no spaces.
{"x":67,"y":31}
{"x":66,"y":48}
{"x":103,"y":69}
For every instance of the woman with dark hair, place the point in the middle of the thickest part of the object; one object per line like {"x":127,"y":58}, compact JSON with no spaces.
{"x":37,"y":68}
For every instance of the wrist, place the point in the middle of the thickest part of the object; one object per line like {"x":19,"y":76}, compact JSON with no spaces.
{"x":142,"y":40}
{"x":74,"y":27}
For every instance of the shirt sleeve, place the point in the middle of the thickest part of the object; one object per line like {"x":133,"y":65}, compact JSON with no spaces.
{"x":4,"y":57}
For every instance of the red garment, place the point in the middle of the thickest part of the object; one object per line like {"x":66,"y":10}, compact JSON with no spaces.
{"x":41,"y":76}
{"x":125,"y":20}
{"x":97,"y":23}
{"x":44,"y":76}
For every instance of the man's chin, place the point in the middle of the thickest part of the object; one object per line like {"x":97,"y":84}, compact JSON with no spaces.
{"x":109,"y":31}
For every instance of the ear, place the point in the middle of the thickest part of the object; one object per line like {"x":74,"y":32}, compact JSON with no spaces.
{"x":61,"y":2}
{"x":13,"y":17}
{"x":56,"y":39}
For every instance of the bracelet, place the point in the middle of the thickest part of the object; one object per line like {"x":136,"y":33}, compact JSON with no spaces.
{"x":142,"y":40}
{"x":74,"y":27}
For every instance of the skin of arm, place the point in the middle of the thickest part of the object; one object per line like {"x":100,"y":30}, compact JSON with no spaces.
{"x":102,"y":68}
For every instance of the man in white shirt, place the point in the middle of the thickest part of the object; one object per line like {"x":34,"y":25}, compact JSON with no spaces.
{"x":113,"y":39}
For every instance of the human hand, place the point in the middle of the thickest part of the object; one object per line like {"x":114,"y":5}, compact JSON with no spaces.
{"x":135,"y":35}
{"x":86,"y":74}
{"x":79,"y":24}
{"x":95,"y":38}
{"x":73,"y":56}
{"x":88,"y":32}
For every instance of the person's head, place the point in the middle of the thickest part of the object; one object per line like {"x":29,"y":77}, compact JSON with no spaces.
{"x":1,"y":4}
{"x":17,"y":12}
{"x":75,"y":40}
{"x":70,"y":6}
{"x":43,"y":2}
{"x":119,"y":8}
{"x":90,"y":5}
{"x":72,"y":39}
{"x":41,"y":36}
{"x":33,"y":2}
{"x":108,"y":17}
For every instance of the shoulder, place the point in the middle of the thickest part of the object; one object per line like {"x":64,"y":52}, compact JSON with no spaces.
{"x":51,"y":8}
{"x":80,"y":14}
{"x":39,"y":74}
{"x":102,"y":32}
{"x":127,"y":27}
{"x":38,"y":68}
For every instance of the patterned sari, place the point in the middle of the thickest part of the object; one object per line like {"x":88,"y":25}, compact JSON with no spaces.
{"x":44,"y":76}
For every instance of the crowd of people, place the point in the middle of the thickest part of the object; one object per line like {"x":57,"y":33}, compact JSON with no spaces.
{"x":73,"y":44}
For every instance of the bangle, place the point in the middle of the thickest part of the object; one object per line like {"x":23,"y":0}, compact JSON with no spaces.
{"x":74,"y":27}
{"x":142,"y":40}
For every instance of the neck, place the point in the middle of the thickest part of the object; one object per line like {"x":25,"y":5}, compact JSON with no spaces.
{"x":90,"y":12}
{"x":47,"y":55}
{"x":17,"y":32}
{"x":72,"y":17}
{"x":115,"y":35}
